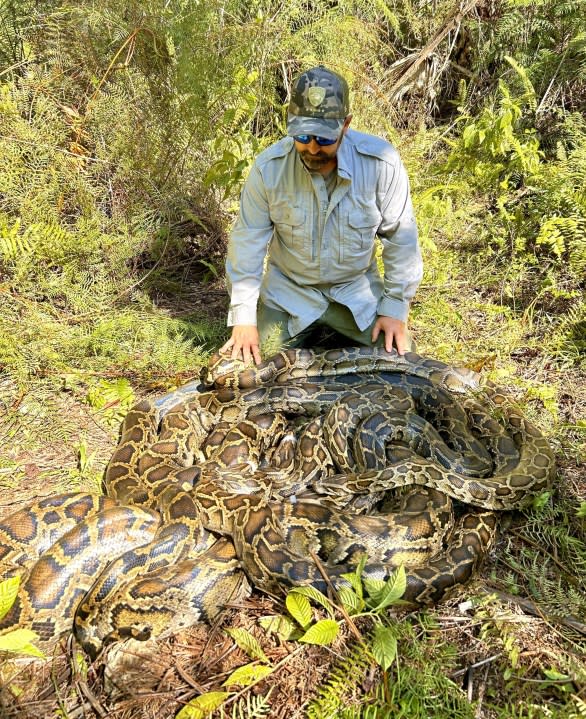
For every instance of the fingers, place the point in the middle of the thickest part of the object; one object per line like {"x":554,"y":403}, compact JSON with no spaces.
{"x":250,"y":351}
{"x":244,"y":344}
{"x":400,"y":343}
{"x":398,"y":338}
{"x":256,"y":354}
{"x":245,"y":354}
{"x":394,"y":331}
{"x":226,"y":347}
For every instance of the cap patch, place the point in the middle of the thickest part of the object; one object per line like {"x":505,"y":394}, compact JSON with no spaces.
{"x":316,"y":95}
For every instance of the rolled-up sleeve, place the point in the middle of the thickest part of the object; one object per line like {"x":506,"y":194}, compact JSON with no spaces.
{"x":247,"y":249}
{"x":403,"y":266}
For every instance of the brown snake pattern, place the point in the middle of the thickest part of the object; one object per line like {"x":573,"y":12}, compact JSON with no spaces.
{"x":245,"y":478}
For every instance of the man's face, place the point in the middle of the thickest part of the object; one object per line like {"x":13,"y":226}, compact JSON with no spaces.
{"x":318,"y":158}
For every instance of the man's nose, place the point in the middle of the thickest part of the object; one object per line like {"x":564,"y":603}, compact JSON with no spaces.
{"x":313,"y":147}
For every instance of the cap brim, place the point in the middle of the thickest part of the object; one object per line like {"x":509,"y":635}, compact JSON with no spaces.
{"x":297,"y":125}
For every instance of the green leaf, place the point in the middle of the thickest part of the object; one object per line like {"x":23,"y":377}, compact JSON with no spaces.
{"x":373,"y":587}
{"x":316,"y":595}
{"x":8,"y":591}
{"x":202,"y":705}
{"x":280,"y":625}
{"x":540,"y":501}
{"x":384,"y":646}
{"x":355,"y":577}
{"x":555,"y":676}
{"x":351,"y":602}
{"x":393,"y":590}
{"x":299,"y":608}
{"x":247,"y":675}
{"x":248,"y":643}
{"x":323,"y":632}
{"x":19,"y":642}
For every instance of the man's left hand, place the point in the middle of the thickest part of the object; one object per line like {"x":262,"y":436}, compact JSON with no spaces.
{"x":395,"y":331}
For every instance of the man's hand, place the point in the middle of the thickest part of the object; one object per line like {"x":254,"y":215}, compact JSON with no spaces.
{"x":395,"y":331}
{"x":244,"y":343}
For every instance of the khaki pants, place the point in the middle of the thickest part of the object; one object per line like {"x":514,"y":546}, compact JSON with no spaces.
{"x":274,"y":333}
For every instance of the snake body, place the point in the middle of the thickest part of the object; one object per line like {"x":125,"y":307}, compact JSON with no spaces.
{"x":254,"y":473}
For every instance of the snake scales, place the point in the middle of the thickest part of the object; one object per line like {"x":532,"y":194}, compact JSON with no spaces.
{"x":241,"y":478}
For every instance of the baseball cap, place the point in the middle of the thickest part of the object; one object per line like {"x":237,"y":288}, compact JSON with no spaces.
{"x":319,"y":103}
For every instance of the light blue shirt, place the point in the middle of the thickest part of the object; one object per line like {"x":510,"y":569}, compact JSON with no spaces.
{"x":322,"y":249}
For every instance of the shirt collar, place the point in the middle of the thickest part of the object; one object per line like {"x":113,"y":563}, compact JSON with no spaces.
{"x":344,"y":156}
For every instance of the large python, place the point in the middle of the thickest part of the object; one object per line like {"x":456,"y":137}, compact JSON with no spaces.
{"x":227,"y":457}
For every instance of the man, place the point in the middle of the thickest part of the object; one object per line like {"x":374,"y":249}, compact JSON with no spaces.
{"x":317,"y":200}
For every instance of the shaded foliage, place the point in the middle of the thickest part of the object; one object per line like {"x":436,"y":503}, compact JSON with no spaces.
{"x":126,"y":131}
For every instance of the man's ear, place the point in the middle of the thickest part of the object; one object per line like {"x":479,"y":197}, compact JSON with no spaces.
{"x":347,"y":122}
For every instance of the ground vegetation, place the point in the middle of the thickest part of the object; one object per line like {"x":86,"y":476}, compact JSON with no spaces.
{"x":126,"y":130}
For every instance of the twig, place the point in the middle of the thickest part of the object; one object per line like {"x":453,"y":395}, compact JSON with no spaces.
{"x":55,"y":683}
{"x":431,"y":46}
{"x":88,"y":694}
{"x":20,"y":141}
{"x":530,"y":607}
{"x":481,"y":663}
{"x":187,"y":678}
{"x":341,"y":607}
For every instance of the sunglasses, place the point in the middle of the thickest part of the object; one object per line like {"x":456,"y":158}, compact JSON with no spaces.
{"x":321,"y":141}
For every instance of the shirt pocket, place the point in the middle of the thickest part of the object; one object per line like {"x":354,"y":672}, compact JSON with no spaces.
{"x":289,"y":223}
{"x":360,"y":231}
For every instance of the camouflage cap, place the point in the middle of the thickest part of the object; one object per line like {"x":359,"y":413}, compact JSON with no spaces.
{"x":319,"y":103}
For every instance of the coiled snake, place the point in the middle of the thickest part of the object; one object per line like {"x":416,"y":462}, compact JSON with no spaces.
{"x":245,"y":477}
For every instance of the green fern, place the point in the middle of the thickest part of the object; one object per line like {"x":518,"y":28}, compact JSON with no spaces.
{"x":341,"y":687}
{"x":553,"y":544}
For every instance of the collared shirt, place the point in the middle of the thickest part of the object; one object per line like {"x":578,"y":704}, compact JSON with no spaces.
{"x":320,"y":248}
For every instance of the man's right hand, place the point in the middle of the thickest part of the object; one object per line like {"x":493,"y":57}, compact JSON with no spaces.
{"x":244,"y":343}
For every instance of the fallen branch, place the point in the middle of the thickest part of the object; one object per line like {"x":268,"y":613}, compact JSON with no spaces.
{"x":455,"y":20}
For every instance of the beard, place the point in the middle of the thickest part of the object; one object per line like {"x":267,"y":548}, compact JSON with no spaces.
{"x":315,"y":162}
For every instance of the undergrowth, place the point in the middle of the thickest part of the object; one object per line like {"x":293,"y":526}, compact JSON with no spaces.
{"x":126,"y":131}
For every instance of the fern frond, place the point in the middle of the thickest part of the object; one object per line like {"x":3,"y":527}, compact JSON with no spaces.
{"x":528,"y":96}
{"x":341,"y":686}
{"x":252,"y":707}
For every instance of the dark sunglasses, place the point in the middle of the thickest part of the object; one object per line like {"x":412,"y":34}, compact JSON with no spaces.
{"x":321,"y":141}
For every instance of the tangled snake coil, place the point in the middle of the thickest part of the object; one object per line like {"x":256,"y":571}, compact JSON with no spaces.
{"x":246,"y":477}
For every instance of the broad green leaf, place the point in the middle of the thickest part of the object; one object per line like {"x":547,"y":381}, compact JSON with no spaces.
{"x":313,"y":593}
{"x":248,"y":643}
{"x":8,"y":592}
{"x":30,"y":650}
{"x":355,"y":577}
{"x":299,"y":608}
{"x":351,"y":602}
{"x":556,"y":676}
{"x":247,"y":675}
{"x":280,"y":625}
{"x":202,"y":705}
{"x":393,"y":590}
{"x":373,"y":587}
{"x":323,"y":632}
{"x":354,"y":581}
{"x":19,"y":641}
{"x":384,"y":646}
